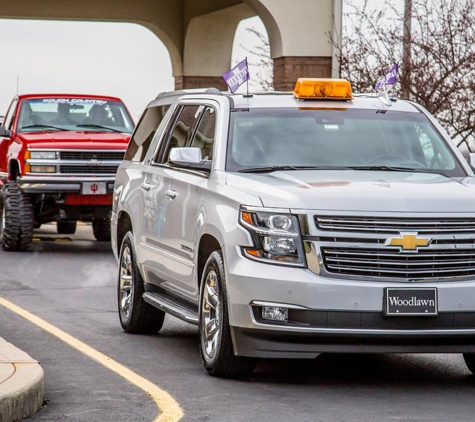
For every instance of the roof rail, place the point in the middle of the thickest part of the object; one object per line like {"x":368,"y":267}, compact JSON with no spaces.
{"x":210,"y":90}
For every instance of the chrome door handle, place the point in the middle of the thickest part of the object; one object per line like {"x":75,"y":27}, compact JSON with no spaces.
{"x":145,"y":186}
{"x":171,"y":194}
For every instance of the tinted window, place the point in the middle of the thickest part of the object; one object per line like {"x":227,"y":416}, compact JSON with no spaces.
{"x":143,"y":135}
{"x":182,"y":129}
{"x":204,"y":136}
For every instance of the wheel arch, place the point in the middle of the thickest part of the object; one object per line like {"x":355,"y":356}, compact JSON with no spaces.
{"x":208,"y":244}
{"x":13,"y":169}
{"x":124,"y":225}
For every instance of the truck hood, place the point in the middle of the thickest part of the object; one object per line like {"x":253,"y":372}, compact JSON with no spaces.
{"x":76,"y":139}
{"x":372,"y":191}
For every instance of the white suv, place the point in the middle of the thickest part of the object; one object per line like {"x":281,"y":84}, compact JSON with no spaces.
{"x":290,"y":224}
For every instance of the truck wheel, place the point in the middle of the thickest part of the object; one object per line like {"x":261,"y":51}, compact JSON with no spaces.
{"x":136,"y":315}
{"x":215,"y":335}
{"x":101,"y":229}
{"x":66,"y":227}
{"x":469,"y":359}
{"x":17,"y":219}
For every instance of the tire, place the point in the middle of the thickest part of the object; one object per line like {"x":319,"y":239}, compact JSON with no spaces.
{"x":215,"y":335}
{"x":66,"y":227}
{"x":17,"y":219}
{"x":101,"y":229}
{"x":469,"y":359}
{"x":136,"y":315}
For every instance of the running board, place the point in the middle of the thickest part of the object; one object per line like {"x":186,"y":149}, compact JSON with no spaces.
{"x":178,"y":309}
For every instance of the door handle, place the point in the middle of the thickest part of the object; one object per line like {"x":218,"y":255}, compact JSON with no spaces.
{"x":171,"y":194}
{"x":145,"y":186}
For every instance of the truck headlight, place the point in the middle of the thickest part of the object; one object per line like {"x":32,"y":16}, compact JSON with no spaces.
{"x":43,"y":155}
{"x":276,"y":236}
{"x":42,"y":169}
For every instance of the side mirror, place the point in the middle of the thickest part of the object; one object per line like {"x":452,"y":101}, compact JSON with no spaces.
{"x":5,"y":132}
{"x":190,"y":158}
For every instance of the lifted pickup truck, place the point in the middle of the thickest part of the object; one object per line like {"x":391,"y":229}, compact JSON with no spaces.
{"x":58,"y":159}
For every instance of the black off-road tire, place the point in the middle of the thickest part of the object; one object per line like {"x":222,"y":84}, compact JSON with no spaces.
{"x":16,"y":229}
{"x":218,"y":355}
{"x":136,"y":315}
{"x":66,"y":227}
{"x":101,"y":229}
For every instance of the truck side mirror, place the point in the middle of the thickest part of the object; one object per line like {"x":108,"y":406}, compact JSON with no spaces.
{"x":5,"y":132}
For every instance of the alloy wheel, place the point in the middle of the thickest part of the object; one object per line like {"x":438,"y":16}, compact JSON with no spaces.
{"x":211,"y":314}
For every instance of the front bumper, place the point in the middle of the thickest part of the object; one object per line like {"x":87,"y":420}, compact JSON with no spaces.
{"x":61,"y":184}
{"x":339,"y":315}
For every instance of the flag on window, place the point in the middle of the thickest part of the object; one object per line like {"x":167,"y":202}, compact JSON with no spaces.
{"x":389,"y":79}
{"x":237,"y":76}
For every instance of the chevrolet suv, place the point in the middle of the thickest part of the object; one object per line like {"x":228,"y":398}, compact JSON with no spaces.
{"x":287,"y":224}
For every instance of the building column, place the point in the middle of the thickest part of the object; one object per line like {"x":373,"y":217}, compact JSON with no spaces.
{"x":288,"y":69}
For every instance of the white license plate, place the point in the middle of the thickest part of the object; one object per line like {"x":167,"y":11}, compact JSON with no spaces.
{"x":415,"y":301}
{"x":94,"y":188}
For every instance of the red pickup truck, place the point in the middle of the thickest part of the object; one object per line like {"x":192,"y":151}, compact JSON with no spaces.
{"x":58,"y":159}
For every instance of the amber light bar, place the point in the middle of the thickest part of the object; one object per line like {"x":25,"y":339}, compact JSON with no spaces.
{"x":323,"y":89}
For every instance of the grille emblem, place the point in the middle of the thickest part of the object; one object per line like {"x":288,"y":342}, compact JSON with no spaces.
{"x":408,"y":242}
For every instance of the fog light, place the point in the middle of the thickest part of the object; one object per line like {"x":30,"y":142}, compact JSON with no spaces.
{"x":275,"y":313}
{"x":43,"y":169}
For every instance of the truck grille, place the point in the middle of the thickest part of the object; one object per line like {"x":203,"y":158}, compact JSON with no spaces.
{"x":92,"y":155}
{"x":361,"y":246}
{"x":77,"y":169}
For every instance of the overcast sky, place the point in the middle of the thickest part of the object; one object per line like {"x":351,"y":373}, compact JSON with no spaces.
{"x":117,"y":59}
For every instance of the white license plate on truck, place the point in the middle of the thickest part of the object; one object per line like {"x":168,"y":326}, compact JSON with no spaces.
{"x":94,"y":188}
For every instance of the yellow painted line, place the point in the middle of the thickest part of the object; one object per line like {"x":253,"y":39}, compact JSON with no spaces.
{"x":170,"y":409}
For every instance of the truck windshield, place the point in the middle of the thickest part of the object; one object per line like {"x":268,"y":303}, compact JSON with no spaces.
{"x":340,"y":138}
{"x":91,"y":114}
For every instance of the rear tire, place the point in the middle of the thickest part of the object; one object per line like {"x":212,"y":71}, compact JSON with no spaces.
{"x":469,"y":359}
{"x":17,"y":219}
{"x":216,"y":344}
{"x":101,"y":229}
{"x":136,"y":315}
{"x":66,"y":227}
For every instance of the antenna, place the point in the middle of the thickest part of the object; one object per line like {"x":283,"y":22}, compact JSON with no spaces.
{"x":17,"y":84}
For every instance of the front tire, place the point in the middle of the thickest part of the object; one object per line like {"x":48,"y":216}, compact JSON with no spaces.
{"x":101,"y":229}
{"x":17,"y":219}
{"x":136,"y":315}
{"x":215,"y":334}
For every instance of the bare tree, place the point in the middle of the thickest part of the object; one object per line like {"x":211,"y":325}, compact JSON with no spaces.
{"x":440,"y":74}
{"x":260,"y":58}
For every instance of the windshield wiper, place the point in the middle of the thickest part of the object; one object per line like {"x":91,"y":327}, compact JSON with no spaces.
{"x":270,"y":169}
{"x":44,"y":127}
{"x":385,"y":168}
{"x":101,"y":127}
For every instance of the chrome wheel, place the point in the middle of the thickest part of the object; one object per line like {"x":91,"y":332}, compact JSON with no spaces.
{"x":126,"y":288}
{"x":212,"y":316}
{"x":2,"y":219}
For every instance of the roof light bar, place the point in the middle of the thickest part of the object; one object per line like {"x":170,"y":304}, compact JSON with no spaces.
{"x":323,"y":89}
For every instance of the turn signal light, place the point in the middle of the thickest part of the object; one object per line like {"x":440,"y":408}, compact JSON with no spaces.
{"x":323,"y":89}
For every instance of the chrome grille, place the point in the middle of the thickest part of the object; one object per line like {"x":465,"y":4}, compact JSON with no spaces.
{"x":394,"y":224}
{"x":92,"y":155}
{"x":375,"y":262}
{"x":357,"y":245}
{"x":78,"y":169}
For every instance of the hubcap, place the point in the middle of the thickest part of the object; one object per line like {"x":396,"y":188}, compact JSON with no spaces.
{"x":125,"y":283}
{"x":211,"y":316}
{"x":2,"y":220}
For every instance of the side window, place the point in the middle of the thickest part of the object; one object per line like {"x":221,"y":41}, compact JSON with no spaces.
{"x":204,"y":135}
{"x":182,"y":129}
{"x":143,"y":135}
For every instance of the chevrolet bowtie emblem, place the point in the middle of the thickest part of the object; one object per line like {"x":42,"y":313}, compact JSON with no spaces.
{"x":408,"y":242}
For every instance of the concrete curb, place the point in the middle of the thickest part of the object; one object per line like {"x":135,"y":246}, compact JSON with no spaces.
{"x":21,"y":384}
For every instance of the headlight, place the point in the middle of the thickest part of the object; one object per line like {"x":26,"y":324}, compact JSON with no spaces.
{"x":42,"y":169}
{"x":43,"y":155}
{"x":276,"y":236}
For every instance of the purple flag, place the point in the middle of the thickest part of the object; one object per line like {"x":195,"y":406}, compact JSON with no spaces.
{"x":237,"y":76}
{"x":389,"y":79}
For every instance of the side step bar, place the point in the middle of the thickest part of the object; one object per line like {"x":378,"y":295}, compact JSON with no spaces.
{"x":178,"y":309}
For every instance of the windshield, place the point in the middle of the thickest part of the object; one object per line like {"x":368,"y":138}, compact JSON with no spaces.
{"x":337,"y":138}
{"x":56,"y":114}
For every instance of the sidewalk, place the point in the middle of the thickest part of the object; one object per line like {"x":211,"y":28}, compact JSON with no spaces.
{"x":21,"y":384}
